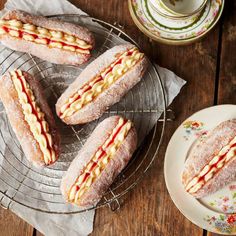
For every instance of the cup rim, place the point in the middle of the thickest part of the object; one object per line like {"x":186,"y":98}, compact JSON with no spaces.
{"x":173,"y":17}
{"x":177,"y":14}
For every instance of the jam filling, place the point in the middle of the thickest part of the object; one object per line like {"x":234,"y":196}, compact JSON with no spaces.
{"x":94,"y":163}
{"x":34,"y":111}
{"x":201,"y":179}
{"x":88,"y":86}
{"x":48,"y":40}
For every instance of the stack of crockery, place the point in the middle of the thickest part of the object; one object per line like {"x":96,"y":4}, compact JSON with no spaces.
{"x":175,"y":22}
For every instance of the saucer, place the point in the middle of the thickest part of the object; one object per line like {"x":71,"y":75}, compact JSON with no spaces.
{"x":216,"y":212}
{"x":175,"y":32}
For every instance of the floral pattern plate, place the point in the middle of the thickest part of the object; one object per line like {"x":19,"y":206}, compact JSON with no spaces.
{"x":174,"y":32}
{"x":217,"y":212}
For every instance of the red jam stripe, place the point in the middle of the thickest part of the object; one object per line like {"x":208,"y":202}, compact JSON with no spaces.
{"x":79,"y":96}
{"x":100,"y":78}
{"x":34,"y":112}
{"x":87,"y":174}
{"x":22,"y":33}
{"x":221,"y":157}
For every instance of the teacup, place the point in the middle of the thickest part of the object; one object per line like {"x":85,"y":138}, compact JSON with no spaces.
{"x":160,"y":9}
{"x":183,"y":8}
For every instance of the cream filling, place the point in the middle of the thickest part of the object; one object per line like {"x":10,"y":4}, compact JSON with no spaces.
{"x":31,"y":119}
{"x":75,"y":195}
{"x":97,"y":88}
{"x":194,"y":185}
{"x":44,"y":34}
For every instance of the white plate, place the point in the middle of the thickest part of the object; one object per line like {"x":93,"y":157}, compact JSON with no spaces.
{"x":217,"y":212}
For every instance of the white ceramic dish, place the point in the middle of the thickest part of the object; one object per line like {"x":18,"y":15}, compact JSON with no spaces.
{"x":217,"y":212}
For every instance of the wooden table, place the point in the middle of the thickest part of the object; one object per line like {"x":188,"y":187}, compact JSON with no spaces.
{"x":209,"y":68}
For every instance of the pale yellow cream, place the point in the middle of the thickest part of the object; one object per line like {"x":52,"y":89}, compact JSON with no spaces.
{"x":58,"y":36}
{"x":97,"y":88}
{"x":31,"y":119}
{"x":75,"y":195}
{"x":194,"y":185}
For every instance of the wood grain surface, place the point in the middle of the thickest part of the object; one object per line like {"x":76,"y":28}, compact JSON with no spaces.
{"x":209,"y":68}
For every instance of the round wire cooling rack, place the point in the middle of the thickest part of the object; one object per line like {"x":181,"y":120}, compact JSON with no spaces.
{"x":39,"y":188}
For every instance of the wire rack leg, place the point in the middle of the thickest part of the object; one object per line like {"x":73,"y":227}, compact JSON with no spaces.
{"x":115,"y":204}
{"x":170,"y":116}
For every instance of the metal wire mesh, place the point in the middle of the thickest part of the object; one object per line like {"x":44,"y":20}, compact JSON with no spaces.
{"x":21,"y":183}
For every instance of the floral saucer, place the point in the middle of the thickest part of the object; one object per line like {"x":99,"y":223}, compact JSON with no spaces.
{"x":217,"y":212}
{"x":170,"y":31}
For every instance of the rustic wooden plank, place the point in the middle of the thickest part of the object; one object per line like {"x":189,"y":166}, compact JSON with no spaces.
{"x":148,"y":210}
{"x":227,"y":58}
{"x":227,"y":73}
{"x":2,"y":2}
{"x":10,"y":224}
{"x":200,"y":74}
{"x":213,"y":234}
{"x":195,"y":96}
